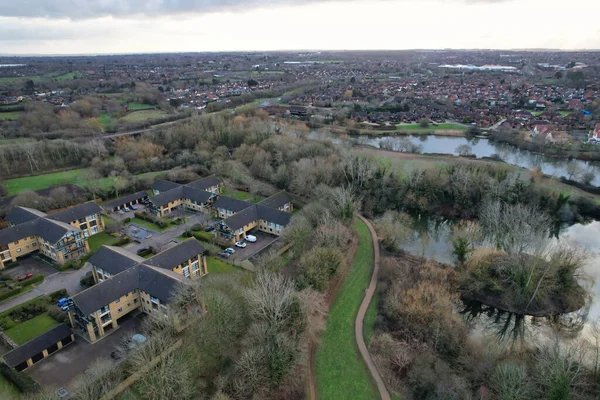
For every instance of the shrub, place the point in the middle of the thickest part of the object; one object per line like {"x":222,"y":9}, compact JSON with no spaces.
{"x":127,"y":220}
{"x":196,"y":228}
{"x":87,"y":280}
{"x":177,"y":221}
{"x":66,"y":266}
{"x":204,"y":236}
{"x":20,"y":380}
{"x":57,"y":314}
{"x":9,"y":293}
{"x":144,"y":252}
{"x":59,"y":294}
{"x":11,"y":264}
{"x":161,"y":224}
{"x":34,"y":279}
{"x":6,"y":323}
{"x":187,"y":234}
{"x":318,"y":265}
{"x":122,"y":242}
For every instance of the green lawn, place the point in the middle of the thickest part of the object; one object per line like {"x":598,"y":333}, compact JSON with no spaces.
{"x":216,"y":266}
{"x":11,"y":115}
{"x":96,"y":241}
{"x":340,"y":370}
{"x":29,"y":329}
{"x":69,"y":76}
{"x":144,"y":115}
{"x":8,"y":391}
{"x":147,"y":224}
{"x":106,"y":119}
{"x":430,"y":128}
{"x":240,"y":195}
{"x":138,"y":106}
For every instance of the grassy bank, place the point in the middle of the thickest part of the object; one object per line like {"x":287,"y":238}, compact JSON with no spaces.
{"x":339,"y":368}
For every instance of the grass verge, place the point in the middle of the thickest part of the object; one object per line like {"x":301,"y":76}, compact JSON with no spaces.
{"x":27,"y":330}
{"x":339,"y":369}
{"x":96,"y":241}
{"x":216,"y":266}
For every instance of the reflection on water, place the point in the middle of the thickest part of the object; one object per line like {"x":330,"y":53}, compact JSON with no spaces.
{"x":481,"y":148}
{"x":432,"y":239}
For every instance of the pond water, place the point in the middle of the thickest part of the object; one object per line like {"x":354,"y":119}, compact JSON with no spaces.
{"x":482,"y":147}
{"x":431,"y":239}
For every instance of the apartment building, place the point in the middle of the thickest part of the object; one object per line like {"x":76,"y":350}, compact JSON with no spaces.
{"x":61,"y":236}
{"x":127,"y":282}
{"x":239,"y":217}
{"x":197,"y":195}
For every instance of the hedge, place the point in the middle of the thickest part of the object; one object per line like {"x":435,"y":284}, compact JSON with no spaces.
{"x":11,"y":264}
{"x":65,"y":266}
{"x":9,"y":293}
{"x":148,"y":218}
{"x":144,"y":252}
{"x":196,"y":228}
{"x":122,"y":242}
{"x":34,"y":279}
{"x":59,"y":294}
{"x":20,"y":380}
{"x":205,"y":236}
{"x":127,"y":220}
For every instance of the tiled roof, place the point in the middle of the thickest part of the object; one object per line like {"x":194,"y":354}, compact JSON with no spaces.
{"x":36,"y":345}
{"x":205,"y":183}
{"x":77,"y":212}
{"x":277,"y":200}
{"x":114,"y":260}
{"x":231,"y":204}
{"x":21,"y":215}
{"x":125,"y":199}
{"x":176,"y":255}
{"x":163,"y":186}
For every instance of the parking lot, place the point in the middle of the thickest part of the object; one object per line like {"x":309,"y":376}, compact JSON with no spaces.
{"x":63,"y":367}
{"x":262,"y":240}
{"x":30,"y":264}
{"x":127,"y":214}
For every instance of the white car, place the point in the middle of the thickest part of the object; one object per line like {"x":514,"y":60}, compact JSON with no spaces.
{"x":250,"y":238}
{"x":240,"y":244}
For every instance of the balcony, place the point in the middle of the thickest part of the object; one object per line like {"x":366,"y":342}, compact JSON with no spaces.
{"x":103,"y":311}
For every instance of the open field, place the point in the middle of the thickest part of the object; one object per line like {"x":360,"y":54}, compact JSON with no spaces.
{"x":239,"y":195}
{"x":10,"y":115}
{"x":143,"y":115}
{"x":138,"y":106}
{"x":339,"y":369}
{"x":216,"y":266}
{"x":106,"y":119}
{"x":76,"y":176}
{"x":27,"y":330}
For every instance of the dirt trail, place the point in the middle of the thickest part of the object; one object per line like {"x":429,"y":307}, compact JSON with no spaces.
{"x":358,"y":323}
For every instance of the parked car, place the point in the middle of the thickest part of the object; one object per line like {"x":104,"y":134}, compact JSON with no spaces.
{"x":250,"y":238}
{"x":27,"y":276}
{"x":133,"y":208}
{"x":126,"y":209}
{"x":224,"y":255}
{"x":229,"y":250}
{"x":63,"y":301}
{"x":240,"y":244}
{"x":121,"y":212}
{"x":209,"y":228}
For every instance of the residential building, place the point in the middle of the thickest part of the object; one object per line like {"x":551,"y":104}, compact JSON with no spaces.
{"x":240,"y":216}
{"x":125,"y":201}
{"x":127,"y":282}
{"x":61,"y":236}
{"x":594,"y":136}
{"x":197,"y":195}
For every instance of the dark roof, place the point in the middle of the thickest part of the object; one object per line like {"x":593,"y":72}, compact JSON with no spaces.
{"x":231,"y":204}
{"x":160,"y":284}
{"x":165,"y":198}
{"x":277,"y":200}
{"x":77,"y":212}
{"x":19,"y":215}
{"x":176,"y":255}
{"x":114,"y":260}
{"x":205,"y":183}
{"x":199,"y":195}
{"x":103,"y":293}
{"x":163,"y":186}
{"x":242,"y":218}
{"x":273,"y":215}
{"x":125,"y":199}
{"x":36,"y":345}
{"x":49,"y":230}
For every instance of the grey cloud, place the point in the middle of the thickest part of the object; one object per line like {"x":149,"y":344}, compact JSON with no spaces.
{"x":85,"y":9}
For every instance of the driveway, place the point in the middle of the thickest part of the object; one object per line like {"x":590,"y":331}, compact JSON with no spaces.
{"x":58,"y":280}
{"x":129,"y":214}
{"x":30,"y":264}
{"x":63,"y":367}
{"x":262,"y":241}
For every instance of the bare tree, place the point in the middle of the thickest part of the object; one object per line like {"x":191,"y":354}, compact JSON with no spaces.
{"x":464,"y":150}
{"x":574,"y":170}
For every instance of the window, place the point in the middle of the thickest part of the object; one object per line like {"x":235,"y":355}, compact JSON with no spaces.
{"x":92,"y":217}
{"x":186,"y":272}
{"x":195,"y":266}
{"x":94,"y":230}
{"x":154,"y":299}
{"x":34,"y":244}
{"x":85,"y":234}
{"x":271,"y":225}
{"x":278,"y":227}
{"x":134,"y":301}
{"x":118,"y":300}
{"x":19,"y":250}
{"x":120,"y":309}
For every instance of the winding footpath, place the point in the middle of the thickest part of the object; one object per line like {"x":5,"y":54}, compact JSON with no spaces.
{"x":358,"y":323}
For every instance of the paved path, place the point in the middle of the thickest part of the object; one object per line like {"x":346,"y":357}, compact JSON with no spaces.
{"x":59,"y":280}
{"x":358,"y":323}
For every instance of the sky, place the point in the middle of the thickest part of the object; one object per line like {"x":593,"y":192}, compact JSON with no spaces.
{"x":150,"y":26}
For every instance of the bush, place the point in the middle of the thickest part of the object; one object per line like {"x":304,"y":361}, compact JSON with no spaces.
{"x":87,"y":280}
{"x":204,"y":236}
{"x":6,"y":323}
{"x":11,"y":264}
{"x":161,"y":224}
{"x":59,"y":294}
{"x":9,"y":293}
{"x":20,"y":380}
{"x":144,"y":252}
{"x":197,"y":228}
{"x":57,"y":314}
{"x":66,"y":266}
{"x":122,"y":242}
{"x":127,"y":220}
{"x":177,"y":221}
{"x":34,"y":279}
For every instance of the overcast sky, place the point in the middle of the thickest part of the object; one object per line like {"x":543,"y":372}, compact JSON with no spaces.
{"x":132,"y":26}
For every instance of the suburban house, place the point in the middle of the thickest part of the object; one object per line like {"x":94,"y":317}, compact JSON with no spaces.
{"x":197,"y":195}
{"x":39,"y":347}
{"x":594,"y":136}
{"x":550,"y":134}
{"x":61,"y":236}
{"x":239,"y":216}
{"x":126,"y":201}
{"x":127,"y":282}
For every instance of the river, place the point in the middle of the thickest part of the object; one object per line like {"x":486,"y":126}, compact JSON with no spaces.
{"x":431,"y":239}
{"x":553,"y":166}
